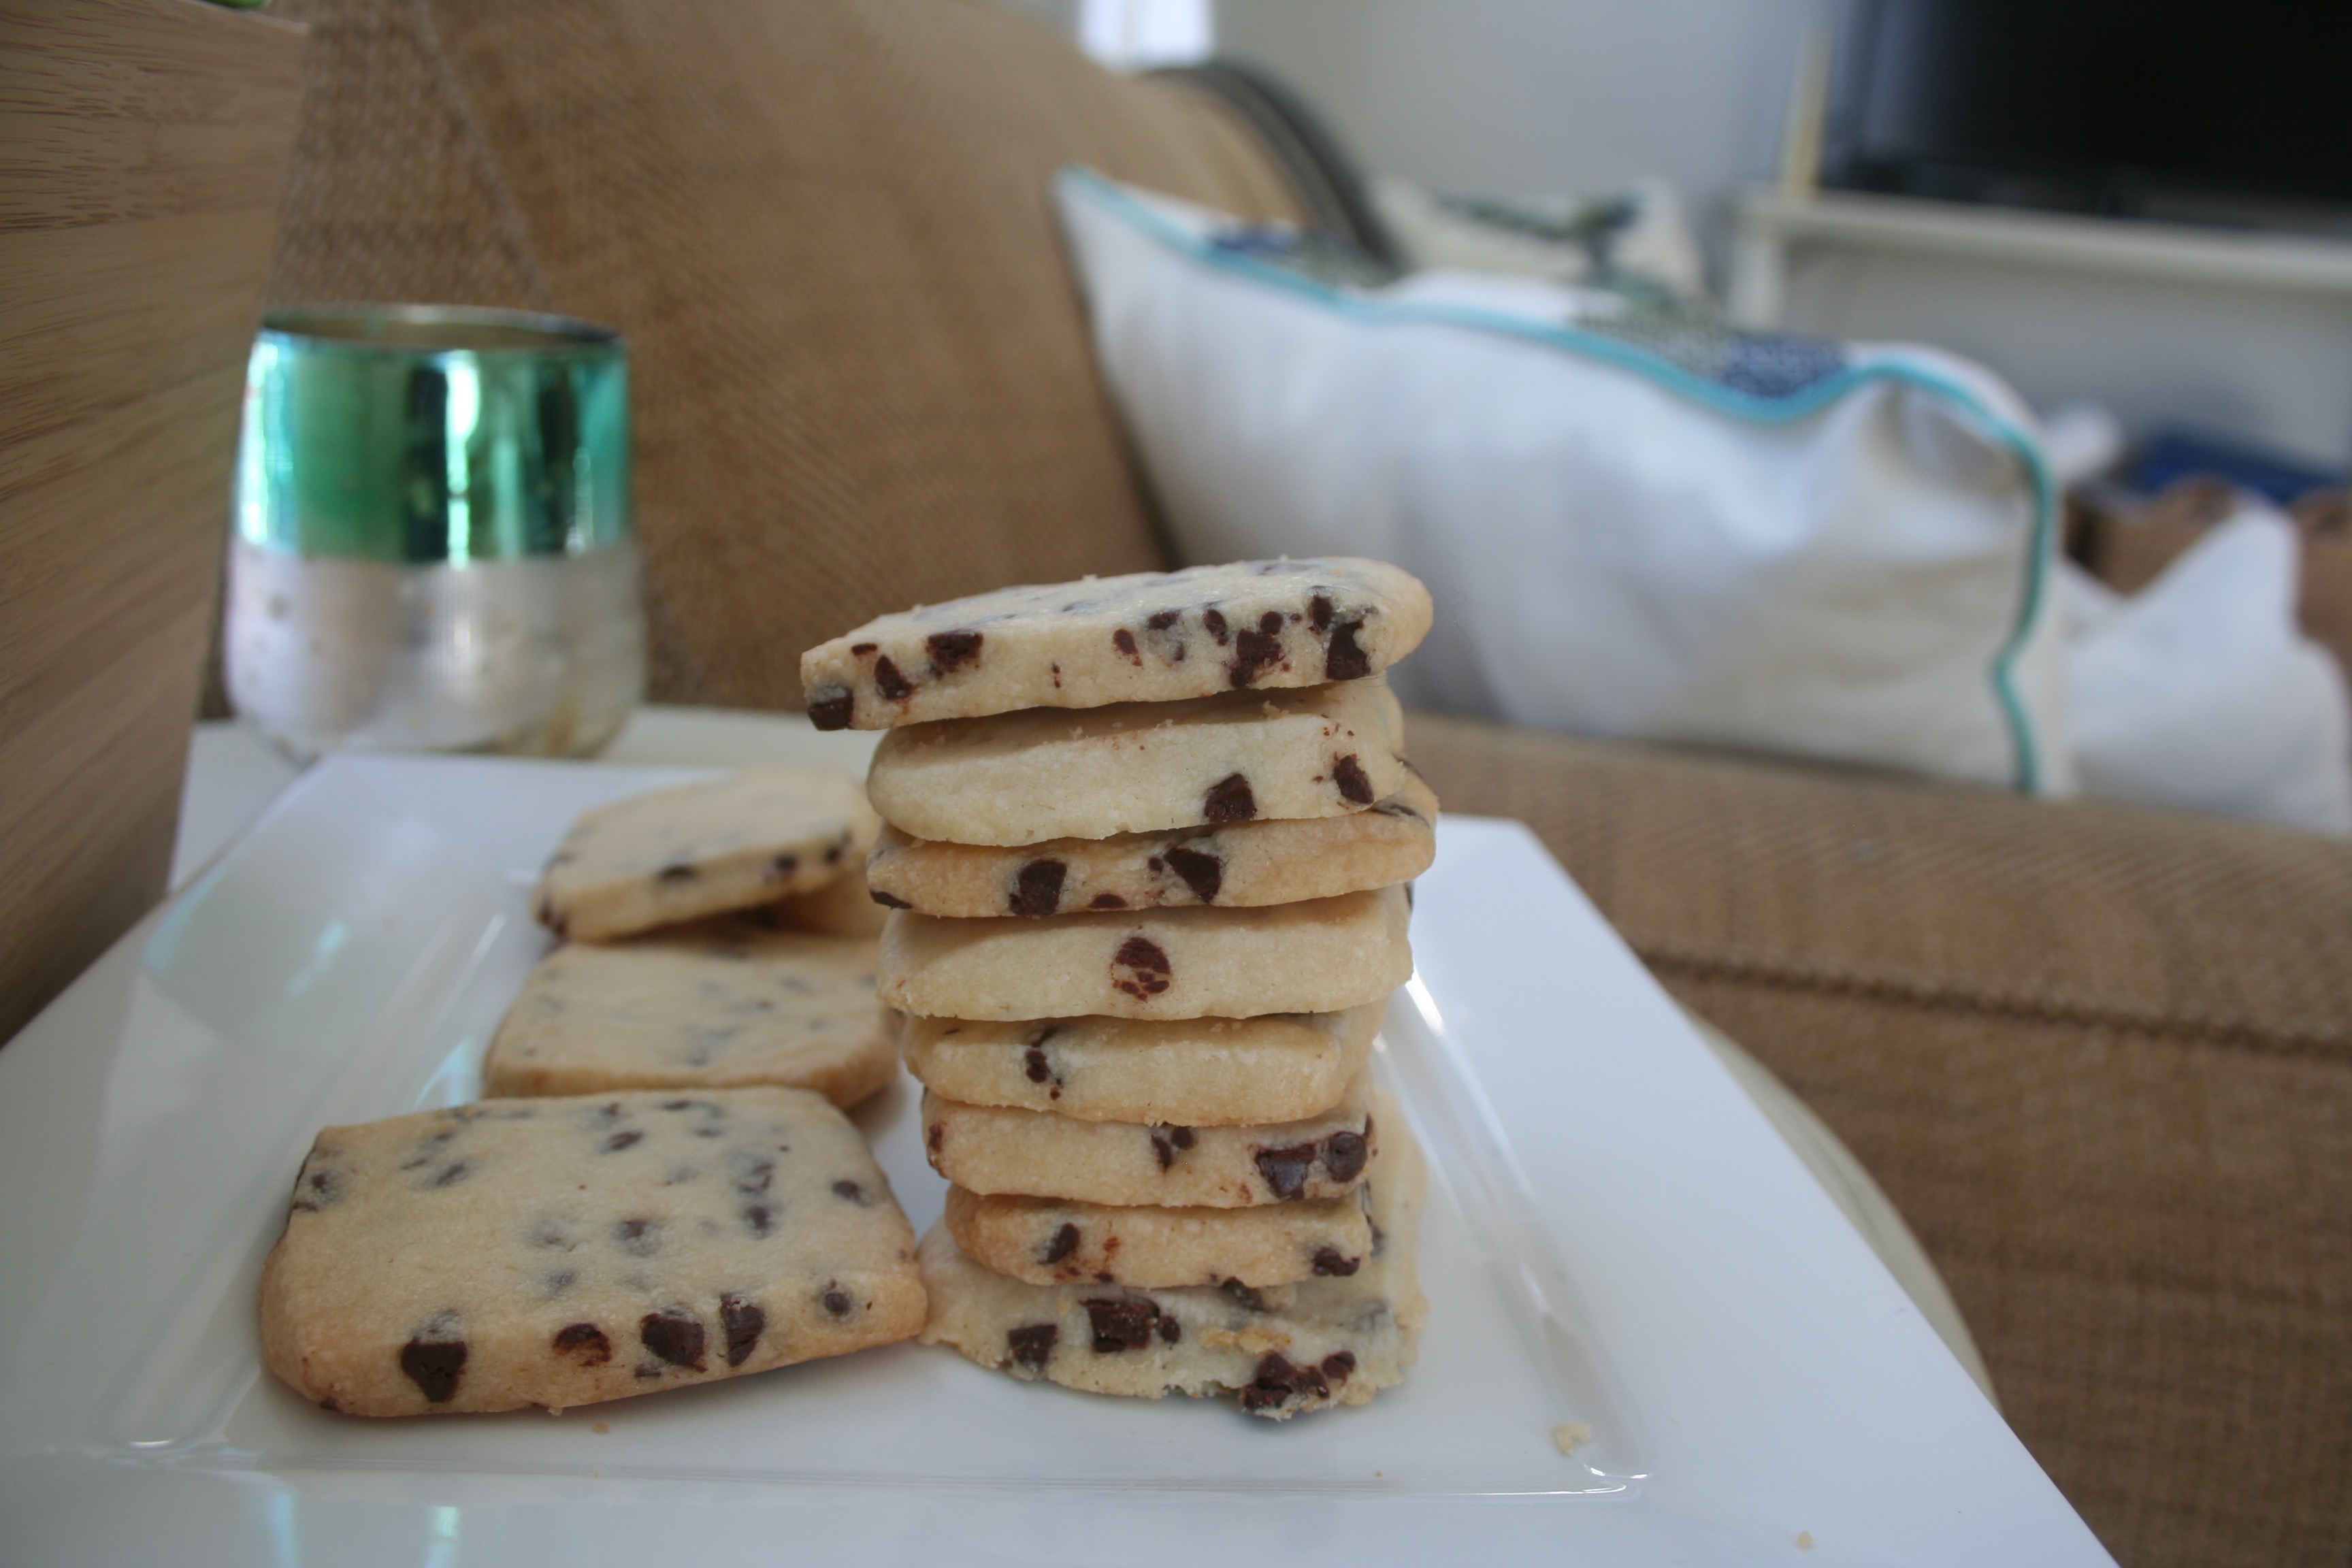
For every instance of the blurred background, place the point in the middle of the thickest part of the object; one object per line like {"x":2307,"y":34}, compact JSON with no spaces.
{"x":1932,"y":170}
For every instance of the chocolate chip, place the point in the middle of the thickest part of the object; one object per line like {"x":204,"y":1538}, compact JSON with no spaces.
{"x":1064,"y":1242}
{"x":742,"y":1322}
{"x":585,"y":1343}
{"x":862,"y":648}
{"x":638,"y":1238}
{"x":1285,"y":1170}
{"x":1344,"y":1154}
{"x":889,"y":682}
{"x":1342,"y":659}
{"x":1162,"y":619}
{"x":887,"y":901}
{"x":1339,"y":1364}
{"x":1255,"y":653}
{"x":1215,"y":622}
{"x":753,"y":1173}
{"x":1169,"y":1329}
{"x":620,"y":1141}
{"x":1270,"y":623}
{"x":850,"y":1190}
{"x":1277,"y":1382}
{"x":1230,"y":800}
{"x":452,"y":1174}
{"x":1122,"y":1325}
{"x":936,"y":1136}
{"x":833,"y":853}
{"x":760,"y":1218}
{"x":1148,"y":972}
{"x":674,"y":1334}
{"x":1034,"y":1063}
{"x":1166,"y":1142}
{"x":1124,"y":640}
{"x":1033,"y":1345}
{"x":1203,"y":872}
{"x":785,"y":865}
{"x":1318,"y":612}
{"x":1244,"y":1296}
{"x":320,"y":1189}
{"x":559,"y":1280}
{"x":434,"y":1367}
{"x":951,"y":651}
{"x":1328,"y":1263}
{"x":829,"y":708}
{"x":1037,"y":888}
{"x":679,"y":873}
{"x":1105,"y":901}
{"x":836,"y":1300}
{"x":1354,"y":782}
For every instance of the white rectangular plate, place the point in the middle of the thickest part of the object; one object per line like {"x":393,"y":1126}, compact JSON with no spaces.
{"x":1616,"y":1237}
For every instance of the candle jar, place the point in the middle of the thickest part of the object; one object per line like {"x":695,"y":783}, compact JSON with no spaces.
{"x":432,"y":546}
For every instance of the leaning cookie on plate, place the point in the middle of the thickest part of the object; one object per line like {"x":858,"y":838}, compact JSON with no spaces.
{"x":751,"y":838}
{"x":558,"y":1252}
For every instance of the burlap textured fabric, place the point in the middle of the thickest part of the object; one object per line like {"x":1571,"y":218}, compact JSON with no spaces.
{"x":2101,"y":1058}
{"x":862,"y":378}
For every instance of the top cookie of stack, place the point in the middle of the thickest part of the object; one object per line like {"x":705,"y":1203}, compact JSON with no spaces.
{"x":1154,"y":637}
{"x":1144,"y":946}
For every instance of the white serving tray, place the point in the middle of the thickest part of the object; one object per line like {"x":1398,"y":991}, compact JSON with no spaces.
{"x":1615,"y":1237}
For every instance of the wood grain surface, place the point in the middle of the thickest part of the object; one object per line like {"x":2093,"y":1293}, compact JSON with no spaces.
{"x":142,"y":149}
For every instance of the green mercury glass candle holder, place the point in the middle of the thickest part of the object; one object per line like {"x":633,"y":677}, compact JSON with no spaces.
{"x":432,"y":547}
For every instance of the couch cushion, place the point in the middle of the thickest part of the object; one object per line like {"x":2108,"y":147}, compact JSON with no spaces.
{"x":2100,"y":1057}
{"x":1864,"y":883}
{"x":861,"y":375}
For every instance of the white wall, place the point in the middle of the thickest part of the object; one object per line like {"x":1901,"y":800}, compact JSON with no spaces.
{"x":1540,"y":96}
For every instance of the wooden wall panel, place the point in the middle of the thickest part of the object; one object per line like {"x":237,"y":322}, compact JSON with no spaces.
{"x":142,"y":149}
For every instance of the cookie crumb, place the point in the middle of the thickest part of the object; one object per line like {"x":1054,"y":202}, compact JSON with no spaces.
{"x":1570,"y":1436}
{"x":604,"y":1428}
{"x":1804,"y":1540}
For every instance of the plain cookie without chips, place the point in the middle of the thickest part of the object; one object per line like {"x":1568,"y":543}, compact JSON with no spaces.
{"x":559,"y":1252}
{"x":1029,"y":1153}
{"x":1142,"y":767}
{"x":1239,"y":865}
{"x":1151,"y":638}
{"x":1317,"y":957}
{"x":721,"y":1004}
{"x":1054,"y":1241}
{"x":1301,"y":1347}
{"x":1199,"y":1072}
{"x":674,"y":855}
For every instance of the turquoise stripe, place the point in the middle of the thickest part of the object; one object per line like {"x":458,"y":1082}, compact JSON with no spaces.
{"x":1710,"y":394}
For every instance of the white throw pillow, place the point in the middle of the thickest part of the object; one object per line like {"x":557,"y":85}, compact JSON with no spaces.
{"x":1633,"y":525}
{"x":2200,"y":691}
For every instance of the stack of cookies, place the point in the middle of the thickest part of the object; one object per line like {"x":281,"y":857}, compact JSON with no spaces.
{"x":1146,"y":840}
{"x":685,"y":1204}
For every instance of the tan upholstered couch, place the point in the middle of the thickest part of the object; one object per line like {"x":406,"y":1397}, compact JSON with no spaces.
{"x":2101,"y":1058}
